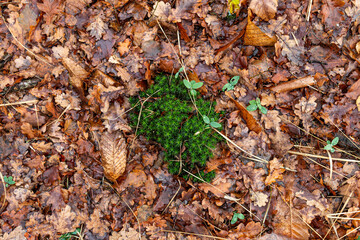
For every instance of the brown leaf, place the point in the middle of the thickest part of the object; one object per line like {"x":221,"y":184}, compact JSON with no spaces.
{"x":113,"y":154}
{"x":193,"y":76}
{"x":255,"y":37}
{"x":276,"y":170}
{"x":265,"y":9}
{"x":249,"y":119}
{"x":42,"y":146}
{"x":294,"y":84}
{"x":77,"y":73}
{"x":51,"y":8}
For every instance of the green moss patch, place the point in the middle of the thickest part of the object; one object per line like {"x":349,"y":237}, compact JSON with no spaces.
{"x":169,"y":118}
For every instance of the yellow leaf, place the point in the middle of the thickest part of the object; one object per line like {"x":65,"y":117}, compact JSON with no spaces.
{"x":234,"y":6}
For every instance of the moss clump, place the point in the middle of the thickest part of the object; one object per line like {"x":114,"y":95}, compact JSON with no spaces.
{"x":170,"y":119}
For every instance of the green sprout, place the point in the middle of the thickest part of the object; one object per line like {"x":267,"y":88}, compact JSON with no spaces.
{"x":256,"y":104}
{"x":211,"y":122}
{"x":69,"y":235}
{"x":236,"y":217}
{"x":8,"y":181}
{"x":192,"y":86}
{"x":180,"y":70}
{"x":231,"y":84}
{"x":330,"y":145}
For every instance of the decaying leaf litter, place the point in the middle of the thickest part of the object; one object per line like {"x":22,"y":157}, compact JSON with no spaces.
{"x":68,"y":69}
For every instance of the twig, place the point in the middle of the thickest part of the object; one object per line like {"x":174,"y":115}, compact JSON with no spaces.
{"x":4,"y":186}
{"x":195,"y":234}
{"x":323,"y":157}
{"x":18,"y":103}
{"x":172,"y":199}
{"x":309,"y":10}
{"x":229,"y":140}
{"x":31,"y":52}
{"x":225,"y":195}
{"x":331,"y":164}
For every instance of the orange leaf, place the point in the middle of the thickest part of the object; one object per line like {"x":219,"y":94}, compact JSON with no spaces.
{"x":249,"y":119}
{"x":255,"y":37}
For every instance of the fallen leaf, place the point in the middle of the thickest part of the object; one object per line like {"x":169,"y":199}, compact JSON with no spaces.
{"x":260,"y":199}
{"x":97,"y":28}
{"x":255,"y":37}
{"x":276,"y":170}
{"x":113,"y":154}
{"x":42,"y":146}
{"x":51,"y":9}
{"x":304,"y":110}
{"x":265,"y":9}
{"x":77,"y":73}
{"x":249,"y":119}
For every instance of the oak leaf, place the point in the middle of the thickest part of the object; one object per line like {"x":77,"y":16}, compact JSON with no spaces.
{"x":113,"y":154}
{"x":97,"y":28}
{"x":265,"y":9}
{"x":51,"y":8}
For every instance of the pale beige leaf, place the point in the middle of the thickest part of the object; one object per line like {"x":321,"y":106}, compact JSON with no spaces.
{"x":260,"y":199}
{"x":77,"y":73}
{"x":265,"y":9}
{"x":113,"y":154}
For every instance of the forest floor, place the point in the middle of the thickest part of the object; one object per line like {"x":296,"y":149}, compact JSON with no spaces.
{"x":69,"y":67}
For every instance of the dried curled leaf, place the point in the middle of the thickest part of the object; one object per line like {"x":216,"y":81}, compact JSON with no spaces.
{"x":113,"y":154}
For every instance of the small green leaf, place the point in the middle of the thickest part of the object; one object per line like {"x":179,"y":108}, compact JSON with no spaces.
{"x":258,"y":101}
{"x":328,"y":142}
{"x":187,"y":84}
{"x":332,"y":150}
{"x":234,"y":80}
{"x":328,"y":147}
{"x":193,"y":92}
{"x":252,"y":102}
{"x":263,"y":109}
{"x":215,"y":125}
{"x":226,"y":87}
{"x":206,"y":119}
{"x":251,"y":107}
{"x":197,"y":85}
{"x":236,"y":217}
{"x":180,"y":70}
{"x":335,"y":141}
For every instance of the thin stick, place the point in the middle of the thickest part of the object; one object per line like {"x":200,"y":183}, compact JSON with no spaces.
{"x":195,"y":234}
{"x":336,"y":218}
{"x":331,"y":164}
{"x":299,"y":216}
{"x":229,"y":140}
{"x":219,"y":229}
{"x":323,"y":157}
{"x":345,"y":135}
{"x":267,"y":209}
{"x":309,"y":10}
{"x":31,"y":52}
{"x":172,"y":199}
{"x":317,"y":138}
{"x":4,"y":186}
{"x":18,"y":103}
{"x":307,"y":158}
{"x":225,"y":195}
{"x":138,"y":122}
{"x":126,"y":205}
